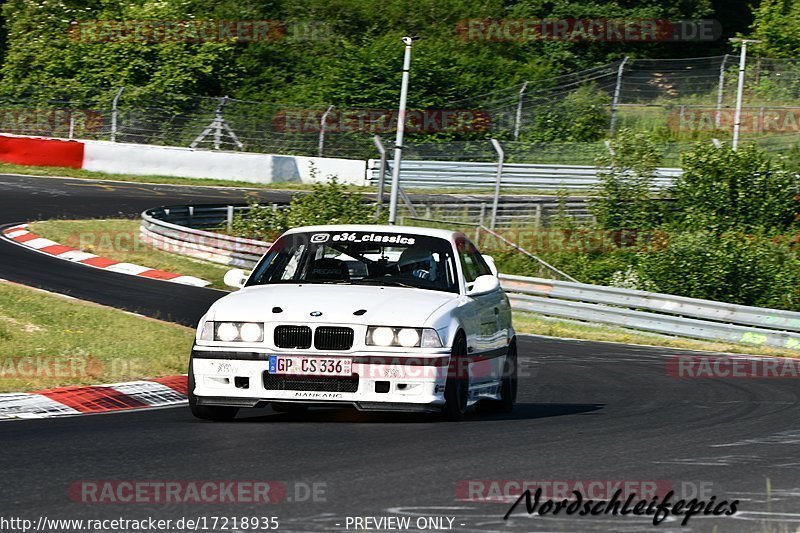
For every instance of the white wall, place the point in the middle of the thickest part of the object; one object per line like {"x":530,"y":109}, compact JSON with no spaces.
{"x":123,"y":158}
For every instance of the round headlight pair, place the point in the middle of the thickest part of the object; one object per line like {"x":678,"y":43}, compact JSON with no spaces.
{"x":239,"y":331}
{"x":385,"y":336}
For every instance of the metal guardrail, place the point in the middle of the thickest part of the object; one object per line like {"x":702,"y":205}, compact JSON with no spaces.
{"x":641,"y":310}
{"x":166,"y":228}
{"x":659,"y":313}
{"x":481,"y":175}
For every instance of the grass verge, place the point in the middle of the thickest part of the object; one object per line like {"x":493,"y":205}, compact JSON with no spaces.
{"x":118,"y":239}
{"x":541,"y":325}
{"x":49,"y":341}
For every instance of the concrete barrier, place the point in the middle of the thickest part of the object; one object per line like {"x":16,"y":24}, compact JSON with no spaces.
{"x":149,"y":160}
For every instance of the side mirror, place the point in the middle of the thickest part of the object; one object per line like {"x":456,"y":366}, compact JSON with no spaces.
{"x":235,"y":278}
{"x":490,"y":261}
{"x":483,"y":285}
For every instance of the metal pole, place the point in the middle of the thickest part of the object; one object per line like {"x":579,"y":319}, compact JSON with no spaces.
{"x":218,"y":120}
{"x":114,"y":112}
{"x":518,"y":118}
{"x":737,"y":120}
{"x":720,"y":90}
{"x":322,"y":122}
{"x":497,"y":180}
{"x":401,"y":123}
{"x":615,"y":101}
{"x":381,"y":173}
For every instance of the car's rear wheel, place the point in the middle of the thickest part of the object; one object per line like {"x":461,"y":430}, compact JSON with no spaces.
{"x":208,"y":412}
{"x":456,"y":390}
{"x":509,"y":384}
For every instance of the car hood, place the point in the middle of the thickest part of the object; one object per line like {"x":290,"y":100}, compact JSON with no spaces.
{"x":391,"y":306}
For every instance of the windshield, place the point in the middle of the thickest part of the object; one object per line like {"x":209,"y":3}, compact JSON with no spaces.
{"x":360,"y":258}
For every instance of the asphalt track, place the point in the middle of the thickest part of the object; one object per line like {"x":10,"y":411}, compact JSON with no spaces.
{"x":587,"y":411}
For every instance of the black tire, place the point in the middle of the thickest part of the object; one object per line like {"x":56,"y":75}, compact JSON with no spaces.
{"x":508,"y":387}
{"x":208,"y":412}
{"x":456,"y":388}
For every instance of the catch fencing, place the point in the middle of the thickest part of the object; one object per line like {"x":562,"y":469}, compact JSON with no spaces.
{"x":551,"y":119}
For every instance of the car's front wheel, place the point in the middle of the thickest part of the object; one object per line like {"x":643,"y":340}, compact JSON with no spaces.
{"x":456,"y":390}
{"x":509,"y":384}
{"x":208,"y":412}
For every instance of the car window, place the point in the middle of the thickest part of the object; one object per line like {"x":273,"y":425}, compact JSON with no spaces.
{"x":360,"y":258}
{"x":472,"y":261}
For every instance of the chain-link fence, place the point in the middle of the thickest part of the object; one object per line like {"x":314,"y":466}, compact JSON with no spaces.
{"x":678,"y":99}
{"x":561,"y":120}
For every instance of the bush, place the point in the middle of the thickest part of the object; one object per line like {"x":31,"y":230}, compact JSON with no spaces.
{"x":624,"y":197}
{"x":328,"y":203}
{"x":585,"y":253}
{"x":722,"y":189}
{"x":729,"y":267}
{"x":582,"y":116}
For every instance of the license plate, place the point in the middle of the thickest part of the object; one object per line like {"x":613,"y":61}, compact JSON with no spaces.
{"x":310,"y":366}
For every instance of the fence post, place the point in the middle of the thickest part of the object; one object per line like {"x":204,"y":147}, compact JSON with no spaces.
{"x":518,"y":118}
{"x":496,"y":201}
{"x":322,"y":122}
{"x":218,"y":123}
{"x":230,"y":218}
{"x":71,"y":124}
{"x":720,"y":90}
{"x":114,"y":113}
{"x":615,"y":101}
{"x":381,"y":174}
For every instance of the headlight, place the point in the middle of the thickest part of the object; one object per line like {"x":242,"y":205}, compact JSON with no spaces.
{"x":251,"y":332}
{"x":233,"y":331}
{"x":227,"y":332}
{"x":405,"y":337}
{"x":381,"y":336}
{"x":408,"y":337}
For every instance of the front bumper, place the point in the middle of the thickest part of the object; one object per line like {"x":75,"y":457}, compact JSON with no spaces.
{"x":380,"y":381}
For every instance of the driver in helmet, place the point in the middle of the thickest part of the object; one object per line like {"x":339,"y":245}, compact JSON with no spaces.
{"x":417,"y":262}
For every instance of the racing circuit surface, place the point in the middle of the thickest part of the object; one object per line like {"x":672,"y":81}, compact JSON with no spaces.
{"x":587,"y":411}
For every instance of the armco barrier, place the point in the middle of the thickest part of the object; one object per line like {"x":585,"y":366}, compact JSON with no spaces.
{"x":157,"y":231}
{"x":646,"y":311}
{"x":478,"y":175}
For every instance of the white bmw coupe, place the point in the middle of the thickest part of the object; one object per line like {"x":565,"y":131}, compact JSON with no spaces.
{"x":381,"y":318}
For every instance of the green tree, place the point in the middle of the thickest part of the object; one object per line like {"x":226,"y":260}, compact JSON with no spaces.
{"x":723,"y":189}
{"x":624,"y":198}
{"x":777,"y":24}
